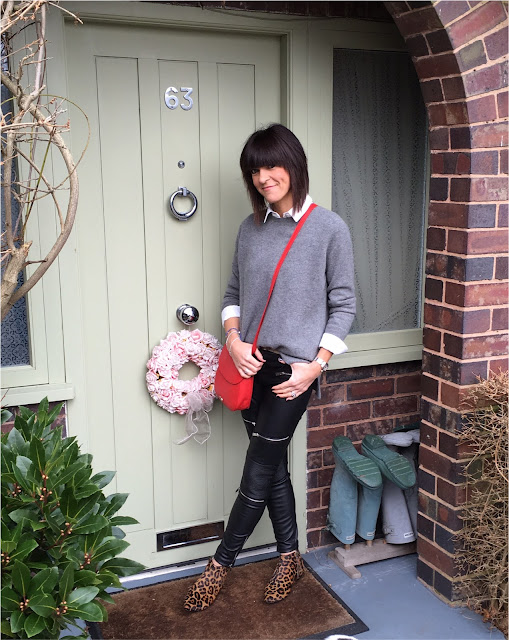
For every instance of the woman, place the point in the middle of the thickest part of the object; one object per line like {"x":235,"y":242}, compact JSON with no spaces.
{"x":309,"y":315}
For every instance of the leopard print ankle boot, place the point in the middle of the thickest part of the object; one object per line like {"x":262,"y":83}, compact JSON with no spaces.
{"x":288,"y":570}
{"x":204,"y":591}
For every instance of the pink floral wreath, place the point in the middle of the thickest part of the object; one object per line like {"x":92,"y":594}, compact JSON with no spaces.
{"x":179,"y":347}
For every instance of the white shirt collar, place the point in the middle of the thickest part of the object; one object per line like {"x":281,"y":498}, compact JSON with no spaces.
{"x":296,"y":215}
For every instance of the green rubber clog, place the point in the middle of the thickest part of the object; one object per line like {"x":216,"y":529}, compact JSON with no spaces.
{"x":392,"y":465}
{"x":365,"y":471}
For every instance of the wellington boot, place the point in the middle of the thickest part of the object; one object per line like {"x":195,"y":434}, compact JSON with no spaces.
{"x":289,"y":569}
{"x":397,"y":526}
{"x":342,"y":515}
{"x":205,"y":590}
{"x":392,"y":465}
{"x":367,"y":511}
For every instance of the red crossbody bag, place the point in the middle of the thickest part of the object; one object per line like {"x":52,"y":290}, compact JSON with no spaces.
{"x":232,"y":389}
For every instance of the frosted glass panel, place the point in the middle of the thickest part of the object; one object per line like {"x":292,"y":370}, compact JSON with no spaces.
{"x":15,"y":345}
{"x":378,"y":182}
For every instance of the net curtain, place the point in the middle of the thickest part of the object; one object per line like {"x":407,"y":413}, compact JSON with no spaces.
{"x":378,"y":183}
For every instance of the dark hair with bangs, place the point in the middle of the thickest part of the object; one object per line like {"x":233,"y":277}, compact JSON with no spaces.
{"x":274,"y":146}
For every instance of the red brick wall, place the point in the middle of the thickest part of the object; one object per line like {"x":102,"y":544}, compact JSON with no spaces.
{"x":460,"y":53}
{"x":314,"y":9}
{"x":354,"y":402}
{"x":60,"y":420}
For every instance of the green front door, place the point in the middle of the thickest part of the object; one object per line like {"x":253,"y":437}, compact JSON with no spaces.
{"x":138,"y":263}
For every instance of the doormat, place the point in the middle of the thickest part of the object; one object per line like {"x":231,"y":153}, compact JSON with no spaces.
{"x":312,"y":610}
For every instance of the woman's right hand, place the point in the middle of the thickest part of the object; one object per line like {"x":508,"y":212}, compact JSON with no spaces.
{"x":247,"y":364}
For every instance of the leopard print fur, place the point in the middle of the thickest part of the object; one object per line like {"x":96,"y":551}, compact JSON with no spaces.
{"x":204,"y":591}
{"x":288,"y":570}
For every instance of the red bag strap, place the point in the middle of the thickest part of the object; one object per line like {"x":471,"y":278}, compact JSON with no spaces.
{"x":278,"y":267}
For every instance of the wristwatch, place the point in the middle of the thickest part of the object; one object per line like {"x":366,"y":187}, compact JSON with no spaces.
{"x":323,"y":365}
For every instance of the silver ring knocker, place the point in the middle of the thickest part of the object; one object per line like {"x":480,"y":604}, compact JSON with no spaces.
{"x":184,"y":193}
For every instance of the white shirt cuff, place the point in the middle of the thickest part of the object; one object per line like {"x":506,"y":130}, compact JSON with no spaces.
{"x":333,"y":344}
{"x":231,"y":311}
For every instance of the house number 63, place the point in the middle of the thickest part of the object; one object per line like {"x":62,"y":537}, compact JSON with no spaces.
{"x":172,"y":100}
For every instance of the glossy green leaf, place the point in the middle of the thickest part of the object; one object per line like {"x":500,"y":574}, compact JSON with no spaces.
{"x":109,"y":579}
{"x":81,"y":595}
{"x":16,"y":441}
{"x":25,"y":412}
{"x":38,"y":454}
{"x":68,"y":504}
{"x":34,"y":624}
{"x":123,"y":566}
{"x":88,"y":489}
{"x":5,"y":629}
{"x":25,"y":512}
{"x":24,"y":464}
{"x":122,"y":521}
{"x":53,"y":414}
{"x":115,"y":502}
{"x":6,"y":415}
{"x":91,"y":524}
{"x":109,"y":549}
{"x":86,"y":459}
{"x":66,"y":582}
{"x":44,"y":581}
{"x":89,"y":612}
{"x":103,"y":609}
{"x":43,"y":604}
{"x":104,"y":595}
{"x":68,"y":473}
{"x":22,"y":480}
{"x":8,"y":546}
{"x":23,"y":550}
{"x":17,"y":621}
{"x":85,"y":578}
{"x":8,"y":458}
{"x":20,"y":577}
{"x":94,"y":540}
{"x":81,"y":477}
{"x":84,"y":507}
{"x":10,"y":599}
{"x":102,"y":479}
{"x":118,"y":533}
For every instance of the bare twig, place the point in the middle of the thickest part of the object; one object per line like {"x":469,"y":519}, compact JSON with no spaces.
{"x":483,"y":549}
{"x":30,"y":124}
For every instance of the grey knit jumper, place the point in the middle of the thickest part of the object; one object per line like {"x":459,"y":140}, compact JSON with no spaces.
{"x":314,"y":292}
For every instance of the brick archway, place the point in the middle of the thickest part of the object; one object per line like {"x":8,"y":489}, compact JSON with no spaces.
{"x":460,"y":53}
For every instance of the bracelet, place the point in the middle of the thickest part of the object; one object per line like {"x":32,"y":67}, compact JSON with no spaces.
{"x":230,"y":349}
{"x":229,"y":336}
{"x":232,"y":329}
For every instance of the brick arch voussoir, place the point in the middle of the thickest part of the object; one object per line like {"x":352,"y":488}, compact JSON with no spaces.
{"x":444,"y":40}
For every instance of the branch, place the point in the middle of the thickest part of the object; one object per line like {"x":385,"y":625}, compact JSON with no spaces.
{"x":71,"y":207}
{"x":51,"y":190}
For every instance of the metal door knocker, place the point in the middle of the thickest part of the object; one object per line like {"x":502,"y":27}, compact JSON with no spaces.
{"x":183,"y":192}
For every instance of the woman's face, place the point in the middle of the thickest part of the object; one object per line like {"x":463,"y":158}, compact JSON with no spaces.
{"x":274,"y":185}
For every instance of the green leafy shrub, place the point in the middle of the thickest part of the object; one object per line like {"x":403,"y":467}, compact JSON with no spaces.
{"x":60,"y":534}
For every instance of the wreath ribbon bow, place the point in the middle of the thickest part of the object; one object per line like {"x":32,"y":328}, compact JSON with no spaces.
{"x":197,"y":420}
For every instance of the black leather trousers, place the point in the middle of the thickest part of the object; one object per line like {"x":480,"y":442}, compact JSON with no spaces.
{"x":270,"y":422}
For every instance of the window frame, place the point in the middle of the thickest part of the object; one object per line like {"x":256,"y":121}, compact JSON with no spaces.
{"x":364,"y":349}
{"x":45,"y":375}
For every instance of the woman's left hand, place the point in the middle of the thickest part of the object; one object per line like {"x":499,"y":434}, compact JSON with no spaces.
{"x":303,"y":375}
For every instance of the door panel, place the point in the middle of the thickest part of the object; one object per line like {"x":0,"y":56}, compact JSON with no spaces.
{"x":138,"y":263}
